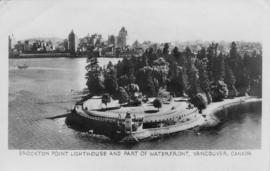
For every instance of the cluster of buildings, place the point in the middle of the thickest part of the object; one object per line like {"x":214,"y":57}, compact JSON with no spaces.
{"x":40,"y":46}
{"x":98,"y":46}
{"x":94,"y":45}
{"x":114,"y":45}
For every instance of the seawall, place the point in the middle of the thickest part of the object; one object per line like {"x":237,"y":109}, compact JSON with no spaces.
{"x":221,"y":111}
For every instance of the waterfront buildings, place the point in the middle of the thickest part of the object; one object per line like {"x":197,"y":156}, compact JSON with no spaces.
{"x":113,"y":46}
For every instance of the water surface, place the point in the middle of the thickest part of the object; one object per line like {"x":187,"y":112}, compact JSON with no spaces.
{"x":47,"y":89}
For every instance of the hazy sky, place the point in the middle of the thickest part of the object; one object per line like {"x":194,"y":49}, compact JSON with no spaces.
{"x":154,"y":20}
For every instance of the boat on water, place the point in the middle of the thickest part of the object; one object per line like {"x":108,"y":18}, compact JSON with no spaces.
{"x":136,"y":123}
{"x":24,"y":66}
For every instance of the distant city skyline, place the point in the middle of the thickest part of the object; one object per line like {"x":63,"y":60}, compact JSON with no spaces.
{"x":157,"y":21}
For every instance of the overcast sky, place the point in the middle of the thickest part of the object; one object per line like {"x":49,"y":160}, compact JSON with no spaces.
{"x":154,"y":20}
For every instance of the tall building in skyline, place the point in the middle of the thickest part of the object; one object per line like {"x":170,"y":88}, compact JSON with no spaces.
{"x":71,"y":43}
{"x":122,"y":38}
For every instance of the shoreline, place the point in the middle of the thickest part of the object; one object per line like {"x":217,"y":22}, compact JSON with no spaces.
{"x":209,"y":118}
{"x":227,"y":103}
{"x":51,"y":57}
{"x":60,"y":55}
{"x":218,"y":110}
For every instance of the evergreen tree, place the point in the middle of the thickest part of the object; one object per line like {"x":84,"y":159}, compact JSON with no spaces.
{"x":218,"y":68}
{"x":203,"y":75}
{"x":230,"y":81}
{"x":177,"y":80}
{"x":193,"y":78}
{"x":166,"y":49}
{"x":123,"y":95}
{"x":201,"y":54}
{"x":131,"y":72}
{"x":221,"y":73}
{"x":239,"y":69}
{"x":255,"y":71}
{"x":176,"y":53}
{"x":219,"y":91}
{"x":192,"y":73}
{"x":110,"y":79}
{"x":160,"y":71}
{"x":144,"y":61}
{"x":233,"y":51}
{"x":125,"y":72}
{"x":188,"y":59}
{"x":235,"y":63}
{"x":123,"y":80}
{"x":211,"y":56}
{"x":172,"y":79}
{"x":152,"y":56}
{"x":94,"y":76}
{"x":146,"y":81}
{"x":149,"y":85}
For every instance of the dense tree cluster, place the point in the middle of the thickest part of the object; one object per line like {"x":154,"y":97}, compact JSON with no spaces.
{"x":208,"y":71}
{"x":94,"y":76}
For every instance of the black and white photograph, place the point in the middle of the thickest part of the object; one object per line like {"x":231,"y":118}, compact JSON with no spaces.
{"x":134,"y":75}
{"x":134,"y":87}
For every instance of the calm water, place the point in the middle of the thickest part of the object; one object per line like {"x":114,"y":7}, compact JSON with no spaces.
{"x":45,"y":89}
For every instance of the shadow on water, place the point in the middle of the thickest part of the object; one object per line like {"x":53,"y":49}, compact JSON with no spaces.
{"x":84,"y":132}
{"x":235,"y":114}
{"x":76,"y":123}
